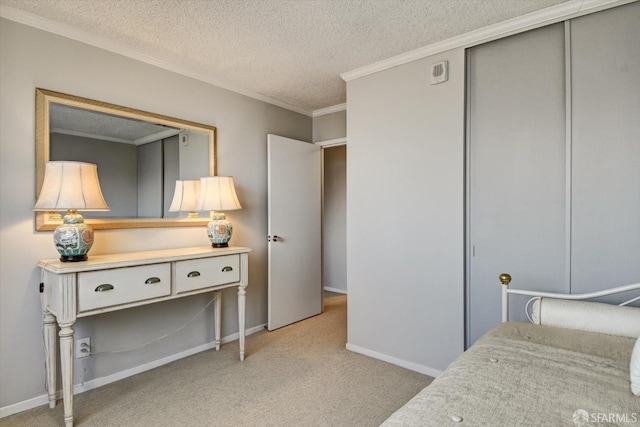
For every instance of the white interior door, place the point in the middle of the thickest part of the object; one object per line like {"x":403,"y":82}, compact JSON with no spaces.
{"x":295,"y":236}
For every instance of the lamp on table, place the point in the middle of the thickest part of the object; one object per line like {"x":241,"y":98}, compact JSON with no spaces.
{"x":217,"y":194}
{"x":71,"y":186}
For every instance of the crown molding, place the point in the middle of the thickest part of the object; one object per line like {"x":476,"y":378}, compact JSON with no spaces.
{"x":329,"y":110}
{"x":547,"y":16}
{"x":102,"y":43}
{"x":540,"y":18}
{"x":327,"y":143}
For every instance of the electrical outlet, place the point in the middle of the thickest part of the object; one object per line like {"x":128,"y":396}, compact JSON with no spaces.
{"x":83,"y":347}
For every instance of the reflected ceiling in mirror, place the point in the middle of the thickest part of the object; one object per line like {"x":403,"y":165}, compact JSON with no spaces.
{"x":139,"y":154}
{"x":68,"y":120}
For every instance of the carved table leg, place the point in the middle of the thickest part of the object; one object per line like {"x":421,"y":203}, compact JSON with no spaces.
{"x":218,"y":309}
{"x":242,"y":292}
{"x":66,"y":359}
{"x":51,"y":349}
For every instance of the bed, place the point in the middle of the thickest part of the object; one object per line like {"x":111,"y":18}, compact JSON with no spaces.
{"x":578,"y":364}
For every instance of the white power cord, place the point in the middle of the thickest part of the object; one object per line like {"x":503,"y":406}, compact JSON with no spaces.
{"x":159,"y":338}
{"x":84,"y":359}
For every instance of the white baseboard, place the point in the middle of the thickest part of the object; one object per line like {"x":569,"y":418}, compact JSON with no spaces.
{"x":99,"y":382}
{"x":336,"y":290}
{"x":25,"y":405}
{"x":427,"y":370}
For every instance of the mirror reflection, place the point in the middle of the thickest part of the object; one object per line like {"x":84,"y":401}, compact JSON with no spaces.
{"x":138,"y":161}
{"x":139,"y":156}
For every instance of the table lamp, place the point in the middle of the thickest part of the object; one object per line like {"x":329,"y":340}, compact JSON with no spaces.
{"x":217,"y":193}
{"x":71,"y":186}
{"x":185,"y":197}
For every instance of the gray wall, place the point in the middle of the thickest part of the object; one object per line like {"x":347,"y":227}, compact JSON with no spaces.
{"x":119,"y":186}
{"x":330,"y":126}
{"x":150,"y":180}
{"x":171,"y":168}
{"x":334,"y":219}
{"x":405,"y":214}
{"x":193,"y":163}
{"x":31,"y":58}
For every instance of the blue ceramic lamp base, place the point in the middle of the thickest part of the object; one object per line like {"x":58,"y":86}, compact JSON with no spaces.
{"x":73,"y":238}
{"x":219,"y":230}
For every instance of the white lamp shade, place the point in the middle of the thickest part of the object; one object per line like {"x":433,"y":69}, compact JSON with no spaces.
{"x":71,"y":185}
{"x":217,"y":193}
{"x":185,"y":196}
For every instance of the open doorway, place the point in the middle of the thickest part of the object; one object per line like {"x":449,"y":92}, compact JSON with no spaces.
{"x":334,"y":219}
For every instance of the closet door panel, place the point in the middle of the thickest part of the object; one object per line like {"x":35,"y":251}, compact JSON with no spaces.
{"x":606,"y":149}
{"x":517,"y":171}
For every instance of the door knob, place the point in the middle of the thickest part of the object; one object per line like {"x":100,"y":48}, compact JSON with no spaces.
{"x":275,"y":239}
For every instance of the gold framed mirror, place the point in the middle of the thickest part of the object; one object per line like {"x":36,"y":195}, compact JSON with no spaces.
{"x":139,"y":156}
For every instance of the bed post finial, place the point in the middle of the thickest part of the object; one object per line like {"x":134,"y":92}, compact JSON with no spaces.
{"x":505,"y":278}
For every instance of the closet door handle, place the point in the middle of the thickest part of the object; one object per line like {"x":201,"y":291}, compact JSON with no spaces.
{"x":193,"y":274}
{"x":152,"y":280}
{"x":104,"y":288}
{"x":227,"y":268}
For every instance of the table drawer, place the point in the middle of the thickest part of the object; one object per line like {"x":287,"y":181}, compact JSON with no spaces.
{"x":105,"y":288}
{"x":206,"y":272}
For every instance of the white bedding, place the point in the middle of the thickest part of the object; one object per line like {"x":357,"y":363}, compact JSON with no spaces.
{"x":521,"y":374}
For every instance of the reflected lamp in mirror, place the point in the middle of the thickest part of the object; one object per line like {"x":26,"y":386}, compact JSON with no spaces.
{"x":217,"y":194}
{"x":185,"y":197}
{"x":71,"y":186}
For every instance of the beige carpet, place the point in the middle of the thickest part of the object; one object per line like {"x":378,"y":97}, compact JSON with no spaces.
{"x":300,"y":375}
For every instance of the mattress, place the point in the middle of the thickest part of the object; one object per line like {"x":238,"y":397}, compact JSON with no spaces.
{"x":521,"y":374}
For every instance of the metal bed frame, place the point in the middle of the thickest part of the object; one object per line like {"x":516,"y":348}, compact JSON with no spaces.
{"x":505,"y":279}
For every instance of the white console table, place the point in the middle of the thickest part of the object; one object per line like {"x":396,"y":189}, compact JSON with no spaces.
{"x":106,"y":283}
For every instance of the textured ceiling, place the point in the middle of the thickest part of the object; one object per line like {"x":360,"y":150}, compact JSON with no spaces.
{"x":292,"y":51}
{"x":93,"y":124}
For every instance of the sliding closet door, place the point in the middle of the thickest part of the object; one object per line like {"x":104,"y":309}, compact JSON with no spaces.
{"x":605,"y":55}
{"x":516,"y":175}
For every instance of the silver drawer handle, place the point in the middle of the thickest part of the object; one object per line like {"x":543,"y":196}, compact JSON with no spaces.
{"x":193,"y":274}
{"x":152,"y":280}
{"x":227,"y":268}
{"x":104,"y":288}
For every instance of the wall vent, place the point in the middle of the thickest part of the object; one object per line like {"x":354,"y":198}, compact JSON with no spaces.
{"x":439,"y":72}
